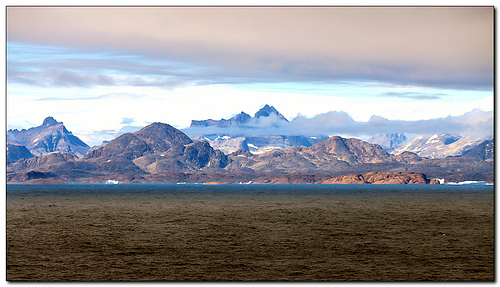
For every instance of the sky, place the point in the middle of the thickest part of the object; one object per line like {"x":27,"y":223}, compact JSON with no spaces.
{"x":353,"y":71}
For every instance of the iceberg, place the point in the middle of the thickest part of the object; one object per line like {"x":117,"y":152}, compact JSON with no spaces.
{"x":441,"y":180}
{"x":469,"y":182}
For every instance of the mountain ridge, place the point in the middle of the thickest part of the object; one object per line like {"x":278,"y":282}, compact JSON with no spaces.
{"x":160,"y":152}
{"x":240,"y":120}
{"x":51,"y":136}
{"x":438,"y":145}
{"x":244,"y":125}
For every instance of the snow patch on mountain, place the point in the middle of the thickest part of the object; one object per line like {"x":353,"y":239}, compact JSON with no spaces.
{"x":438,"y":145}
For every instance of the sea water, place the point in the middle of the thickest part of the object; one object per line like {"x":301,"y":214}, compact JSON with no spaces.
{"x":195,"y":232}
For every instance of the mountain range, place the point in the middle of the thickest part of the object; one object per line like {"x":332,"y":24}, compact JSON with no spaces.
{"x":162,"y":153}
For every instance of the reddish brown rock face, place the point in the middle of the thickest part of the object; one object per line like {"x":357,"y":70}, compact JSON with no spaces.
{"x":376,"y":177}
{"x":347,"y":179}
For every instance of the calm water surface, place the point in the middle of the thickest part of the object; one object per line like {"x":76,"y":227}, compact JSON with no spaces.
{"x":190,"y":232}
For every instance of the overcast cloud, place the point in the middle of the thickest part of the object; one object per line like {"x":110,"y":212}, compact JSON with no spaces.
{"x":108,"y":70}
{"x":450,"y":47}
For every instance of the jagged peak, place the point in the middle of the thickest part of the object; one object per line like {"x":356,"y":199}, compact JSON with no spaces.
{"x":50,"y":121}
{"x":243,"y":114}
{"x":267,"y":110}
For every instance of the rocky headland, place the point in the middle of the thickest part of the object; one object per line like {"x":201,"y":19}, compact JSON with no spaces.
{"x":376,"y":177}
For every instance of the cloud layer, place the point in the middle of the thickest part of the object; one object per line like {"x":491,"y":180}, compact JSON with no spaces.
{"x":476,"y":123}
{"x":447,"y":47}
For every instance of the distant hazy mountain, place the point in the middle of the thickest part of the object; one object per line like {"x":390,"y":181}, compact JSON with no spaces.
{"x":261,"y":144}
{"x":267,"y":111}
{"x":483,"y":151}
{"x":250,"y":142}
{"x":239,"y":120}
{"x":227,"y":145}
{"x":438,"y":146}
{"x":267,"y":143}
{"x":389,"y":141}
{"x":98,"y":146}
{"x":51,"y":136}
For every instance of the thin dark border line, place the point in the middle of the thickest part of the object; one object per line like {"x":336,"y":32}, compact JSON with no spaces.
{"x":259,"y":6}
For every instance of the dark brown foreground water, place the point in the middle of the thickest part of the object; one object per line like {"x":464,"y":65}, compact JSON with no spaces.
{"x":279,"y":236}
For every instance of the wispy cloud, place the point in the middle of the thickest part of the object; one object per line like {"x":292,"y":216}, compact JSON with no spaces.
{"x":413,"y":95}
{"x":96,"y":137}
{"x":108,"y":97}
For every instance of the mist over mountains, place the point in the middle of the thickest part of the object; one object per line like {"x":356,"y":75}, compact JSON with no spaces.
{"x":476,"y":123}
{"x":248,"y":133}
{"x":274,"y":132}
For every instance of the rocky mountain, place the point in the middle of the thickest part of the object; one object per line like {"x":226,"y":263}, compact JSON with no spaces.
{"x":267,"y":111}
{"x":484,"y":151}
{"x":160,"y":147}
{"x":154,"y":138}
{"x":51,"y":136}
{"x":16,"y":152}
{"x":240,"y":120}
{"x":195,"y":156}
{"x":438,"y":146}
{"x":352,"y":150}
{"x":389,"y":141}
